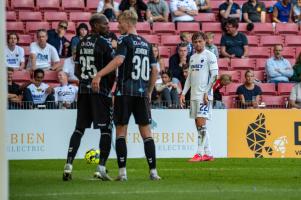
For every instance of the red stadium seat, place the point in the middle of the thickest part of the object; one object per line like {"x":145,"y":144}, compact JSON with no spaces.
{"x":114,"y":27}
{"x":69,"y":36}
{"x":263,"y":29}
{"x":215,"y":6}
{"x":164,"y":28}
{"x":23,"y":75}
{"x":15,"y":27}
{"x":292,"y":61}
{"x":268,"y":88}
{"x":285,"y":89}
{"x":231,"y":88}
{"x":243,"y":27}
{"x":80,"y":16}
{"x":259,"y":52}
{"x":11,"y":16}
{"x":245,"y":63}
{"x":271,"y":40}
{"x":7,"y":5}
{"x":92,"y":5}
{"x":273,"y":101}
{"x":173,"y":50}
{"x":223,"y":63}
{"x":260,"y":63}
{"x":287,"y":28}
{"x":170,"y":40}
{"x":71,"y":26}
{"x":29,"y":16}
{"x":269,"y":3}
{"x":229,"y":101}
{"x":188,"y":27}
{"x":259,"y":75}
{"x":164,"y":52}
{"x":143,"y":28}
{"x":289,"y":52}
{"x":55,"y":16}
{"x":74,"y":5}
{"x":212,"y":27}
{"x":32,"y":27}
{"x":253,"y":40}
{"x":50,"y":76}
{"x":25,"y":40}
{"x":217,"y":39}
{"x":293,"y":40}
{"x":153,"y":39}
{"x":26,"y":50}
{"x":48,"y":5}
{"x":205,"y":17}
{"x":236,"y":76}
{"x":22,"y":4}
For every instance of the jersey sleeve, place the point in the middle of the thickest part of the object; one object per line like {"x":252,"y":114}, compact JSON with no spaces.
{"x":121,"y":47}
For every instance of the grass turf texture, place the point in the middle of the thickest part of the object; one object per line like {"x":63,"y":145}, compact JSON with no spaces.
{"x":221,"y":179}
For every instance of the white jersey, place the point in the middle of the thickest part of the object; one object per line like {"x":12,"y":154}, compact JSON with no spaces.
{"x":38,"y":93}
{"x":201,"y":67}
{"x":14,"y":58}
{"x":65,"y":93}
{"x":45,"y":56}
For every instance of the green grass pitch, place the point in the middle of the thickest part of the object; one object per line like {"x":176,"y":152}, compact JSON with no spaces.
{"x":241,"y":179}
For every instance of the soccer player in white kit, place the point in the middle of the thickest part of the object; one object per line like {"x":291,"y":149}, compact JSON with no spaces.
{"x":202,"y":74}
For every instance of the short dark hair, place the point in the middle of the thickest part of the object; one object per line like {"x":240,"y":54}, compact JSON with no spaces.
{"x":10,"y":69}
{"x":37,"y":71}
{"x":96,"y":18}
{"x":182,"y":44}
{"x":233,"y":22}
{"x":198,"y":35}
{"x":41,"y":30}
{"x":10,"y":34}
{"x":168,"y":73}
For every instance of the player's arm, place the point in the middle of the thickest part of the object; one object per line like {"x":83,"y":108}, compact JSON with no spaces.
{"x":77,"y":71}
{"x":213,"y":73}
{"x":152,"y":81}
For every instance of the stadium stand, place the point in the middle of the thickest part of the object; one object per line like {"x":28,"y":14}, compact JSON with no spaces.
{"x":32,"y":27}
{"x":80,"y":16}
{"x":164,"y":28}
{"x":17,"y":27}
{"x":74,"y":5}
{"x":11,"y":16}
{"x":245,"y":63}
{"x":22,"y":5}
{"x":188,"y":27}
{"x":51,"y":16}
{"x":205,"y":17}
{"x":29,"y":16}
{"x":48,"y":5}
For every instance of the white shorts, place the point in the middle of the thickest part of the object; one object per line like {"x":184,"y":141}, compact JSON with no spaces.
{"x":200,"y":110}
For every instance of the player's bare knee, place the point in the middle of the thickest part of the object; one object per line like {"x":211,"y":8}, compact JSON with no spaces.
{"x":121,"y":130}
{"x":200,"y":122}
{"x":145,"y":131}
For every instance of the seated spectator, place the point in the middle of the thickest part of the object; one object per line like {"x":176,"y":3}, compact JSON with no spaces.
{"x":169,"y":90}
{"x":160,"y":61}
{"x":43,"y":55}
{"x":81,"y":31}
{"x":69,"y":69}
{"x":224,"y":80}
{"x":57,"y":39}
{"x":295,"y":96}
{"x":38,"y":94}
{"x":157,"y":11}
{"x":203,"y":6}
{"x":137,"y":5}
{"x":183,"y":10}
{"x":14,"y":54}
{"x":234,"y":43}
{"x":229,"y":10}
{"x":282,"y":12}
{"x":254,"y":11}
{"x":185,"y":75}
{"x":109,"y":8}
{"x":249,"y":93}
{"x":65,"y":95}
{"x":297,"y":12}
{"x":178,"y":61}
{"x":278,"y":69}
{"x":14,"y":92}
{"x":297,"y":70}
{"x":209,"y":44}
{"x":185,"y":37}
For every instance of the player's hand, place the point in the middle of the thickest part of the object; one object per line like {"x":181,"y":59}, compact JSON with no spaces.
{"x":95,"y":83}
{"x":182,"y":101}
{"x":149,"y":94}
{"x":206,"y":100}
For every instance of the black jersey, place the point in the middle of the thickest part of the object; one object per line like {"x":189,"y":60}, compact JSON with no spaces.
{"x":94,"y":53}
{"x":134,"y":73}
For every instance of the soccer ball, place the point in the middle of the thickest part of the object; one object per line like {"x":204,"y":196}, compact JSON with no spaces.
{"x":92,"y":156}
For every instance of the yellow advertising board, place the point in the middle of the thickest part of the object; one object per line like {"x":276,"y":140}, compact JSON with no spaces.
{"x":264,"y":133}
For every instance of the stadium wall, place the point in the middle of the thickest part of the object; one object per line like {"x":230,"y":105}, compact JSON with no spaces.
{"x":41,"y":134}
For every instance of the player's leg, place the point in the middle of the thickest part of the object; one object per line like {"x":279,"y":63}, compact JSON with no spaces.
{"x":142,"y":115}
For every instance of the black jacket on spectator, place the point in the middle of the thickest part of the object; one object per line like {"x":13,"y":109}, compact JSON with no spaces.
{"x":175,"y":69}
{"x":140,"y":6}
{"x":14,"y":89}
{"x":56,"y":41}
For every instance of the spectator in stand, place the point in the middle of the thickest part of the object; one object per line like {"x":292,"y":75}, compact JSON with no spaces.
{"x":297,"y":70}
{"x":249,"y":93}
{"x":185,"y":37}
{"x":282,"y":12}
{"x":157,"y":11}
{"x":160,"y":61}
{"x":169,"y":90}
{"x":234,"y":43}
{"x":297,"y":12}
{"x":203,"y":6}
{"x":109,"y":8}
{"x":224,"y":80}
{"x":57,"y":39}
{"x":69,"y":69}
{"x":295,"y":96}
{"x":178,"y":61}
{"x":65,"y":95}
{"x":209,"y":44}
{"x":254,"y":11}
{"x":183,"y":11}
{"x":278,"y":69}
{"x":81,"y":31}
{"x":185,"y":75}
{"x":229,"y":10}
{"x":137,"y":5}
{"x":38,"y":94}
{"x":14,"y":92}
{"x":14,"y":54}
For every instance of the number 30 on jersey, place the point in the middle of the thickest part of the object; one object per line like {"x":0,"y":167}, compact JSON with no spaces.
{"x":141,"y":68}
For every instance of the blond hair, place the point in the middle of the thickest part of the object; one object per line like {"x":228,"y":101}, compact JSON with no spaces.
{"x":226,"y":77}
{"x":129,"y":16}
{"x":210,"y":35}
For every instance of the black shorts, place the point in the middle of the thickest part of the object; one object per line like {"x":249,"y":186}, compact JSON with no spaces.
{"x":124,"y":106}
{"x":94,"y":108}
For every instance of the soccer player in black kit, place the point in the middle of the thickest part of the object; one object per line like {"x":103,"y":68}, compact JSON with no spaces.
{"x":92,"y":54}
{"x":136,"y":79}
